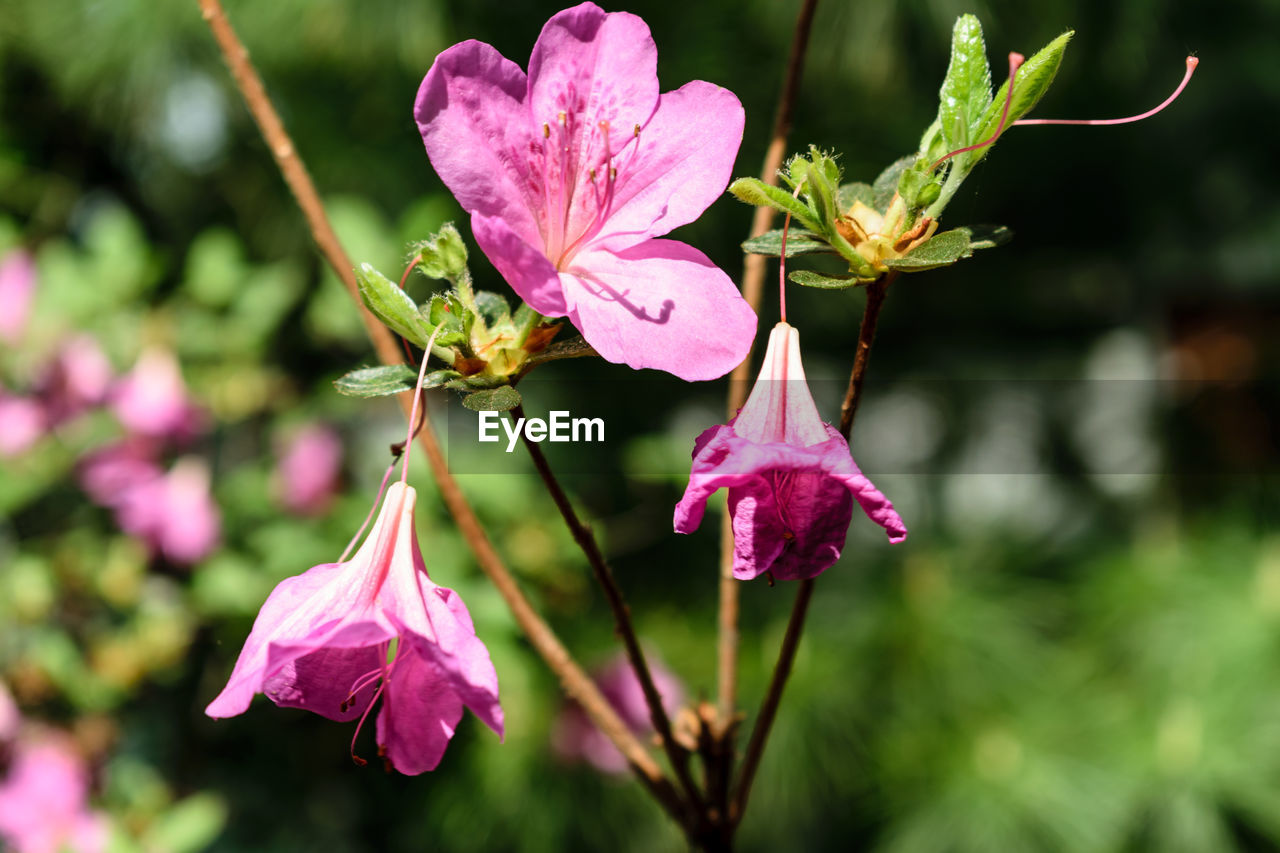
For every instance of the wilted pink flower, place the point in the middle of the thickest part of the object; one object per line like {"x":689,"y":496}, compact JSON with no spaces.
{"x":78,"y":378}
{"x":44,"y":800}
{"x":17,"y":287}
{"x":576,"y":738}
{"x":569,"y":173}
{"x":175,"y":513}
{"x":791,"y":478}
{"x":307,"y":473}
{"x":339,"y":636}
{"x":152,"y":400}
{"x":22,"y":423}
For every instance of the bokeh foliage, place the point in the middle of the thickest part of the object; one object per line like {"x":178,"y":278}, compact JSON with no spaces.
{"x":1077,"y":649}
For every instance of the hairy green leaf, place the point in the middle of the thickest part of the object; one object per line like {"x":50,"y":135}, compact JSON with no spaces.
{"x":850,"y":194}
{"x":799,"y":242}
{"x":391,"y":305}
{"x":939,"y":251}
{"x":389,"y":379}
{"x":886,"y":184}
{"x":500,"y":399}
{"x":809,"y":278}
{"x":966,"y":90}
{"x":757,"y":192}
{"x":1031,"y":83}
{"x":988,"y":236}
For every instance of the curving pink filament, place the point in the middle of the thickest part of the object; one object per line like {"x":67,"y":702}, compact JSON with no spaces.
{"x":1192,"y":62}
{"x":1015,"y":62}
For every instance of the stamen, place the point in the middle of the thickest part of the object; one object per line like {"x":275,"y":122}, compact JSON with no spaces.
{"x":561,"y":117}
{"x":593,"y":176}
{"x":1015,"y":62}
{"x":357,"y":759}
{"x":1192,"y":62}
{"x":417,"y":397}
{"x":546,"y":131}
{"x":782,"y":261}
{"x":637,"y":131}
{"x":613,"y":173}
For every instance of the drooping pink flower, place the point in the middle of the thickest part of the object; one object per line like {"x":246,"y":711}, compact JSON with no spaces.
{"x":174,"y":513}
{"x":339,"y":636}
{"x":575,"y":737}
{"x":77,"y":379}
{"x":791,"y":478}
{"x":152,"y":399}
{"x":306,"y":480}
{"x":44,"y":800}
{"x":22,"y":423}
{"x":571,"y":172}
{"x":17,"y":287}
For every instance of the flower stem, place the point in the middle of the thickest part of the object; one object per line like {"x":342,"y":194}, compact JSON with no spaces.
{"x":753,"y":276}
{"x":876,"y":292}
{"x":576,"y":683}
{"x":676,"y":754}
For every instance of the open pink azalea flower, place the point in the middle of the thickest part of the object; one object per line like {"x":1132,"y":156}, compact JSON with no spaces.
{"x":571,"y":172}
{"x":576,"y":738}
{"x":22,"y":423}
{"x":791,"y":478}
{"x":339,"y":636}
{"x":44,"y":800}
{"x":174,"y":513}
{"x":77,"y":379}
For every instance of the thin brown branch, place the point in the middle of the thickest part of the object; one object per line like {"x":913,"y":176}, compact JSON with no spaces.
{"x":769,"y":707}
{"x":676,"y":754}
{"x":876,"y":292}
{"x":752,"y":291}
{"x":576,"y":683}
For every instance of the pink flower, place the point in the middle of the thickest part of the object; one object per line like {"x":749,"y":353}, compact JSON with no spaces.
{"x":571,"y":172}
{"x":10,"y":718}
{"x":77,"y":379}
{"x":109,"y":473}
{"x":22,"y":423}
{"x":322,"y":642}
{"x":575,"y":738}
{"x":307,"y":473}
{"x":152,"y":400}
{"x":17,"y":287}
{"x":44,"y":800}
{"x":791,"y":478}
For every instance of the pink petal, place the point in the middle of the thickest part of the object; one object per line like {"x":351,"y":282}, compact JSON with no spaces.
{"x":44,"y":800}
{"x":22,"y":424}
{"x":10,"y":717}
{"x":306,"y":477}
{"x":17,"y":289}
{"x":817,"y":510}
{"x":682,"y":163}
{"x":321,"y":681}
{"x":878,"y":508}
{"x":475,"y":125}
{"x":524,"y":266}
{"x":419,"y":714}
{"x":780,"y":408}
{"x":661,"y":304}
{"x":152,"y":400}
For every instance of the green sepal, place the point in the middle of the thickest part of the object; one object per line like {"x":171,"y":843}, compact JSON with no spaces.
{"x":493,"y":307}
{"x":941,"y":250}
{"x":443,"y":254}
{"x":757,"y":192}
{"x":1032,"y":82}
{"x":389,"y":379}
{"x":965,"y":95}
{"x":448,"y":314}
{"x":809,"y":278}
{"x":886,"y":184}
{"x":500,"y":399}
{"x":799,"y":242}
{"x":391,"y":305}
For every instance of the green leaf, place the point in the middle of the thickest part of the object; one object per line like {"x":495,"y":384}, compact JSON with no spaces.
{"x":757,"y":192}
{"x":886,"y":184}
{"x":389,"y":379}
{"x":966,"y":90}
{"x":493,"y":307}
{"x":188,"y":826}
{"x":941,"y":250}
{"x":500,"y":399}
{"x":391,"y":305}
{"x":809,"y":278}
{"x":572,"y":348}
{"x":799,"y":242}
{"x":448,"y":314}
{"x":1032,"y":82}
{"x":850,"y":194}
{"x":988,"y":236}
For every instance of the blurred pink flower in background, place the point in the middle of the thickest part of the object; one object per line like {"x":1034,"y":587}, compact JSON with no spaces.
{"x":575,"y":737}
{"x":22,"y":423}
{"x":44,"y":800}
{"x":17,"y":289}
{"x":9,"y":716}
{"x":307,"y":474}
{"x":152,"y":399}
{"x":77,"y":379}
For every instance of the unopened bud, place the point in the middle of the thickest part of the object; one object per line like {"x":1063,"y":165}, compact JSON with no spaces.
{"x":443,"y":255}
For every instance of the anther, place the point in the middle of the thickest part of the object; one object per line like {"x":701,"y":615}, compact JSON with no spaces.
{"x":561,"y":117}
{"x":637,"y":131}
{"x":613,"y":173}
{"x":592,"y":172}
{"x":546,"y":131}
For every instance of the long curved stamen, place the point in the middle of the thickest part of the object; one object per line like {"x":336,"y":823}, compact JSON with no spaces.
{"x":357,"y":759}
{"x":1015,"y":62}
{"x":1192,"y":62}
{"x":417,"y":397}
{"x":603,"y":198}
{"x":782,"y":261}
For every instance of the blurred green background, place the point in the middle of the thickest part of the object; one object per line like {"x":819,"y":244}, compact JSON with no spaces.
{"x":1078,"y":648}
